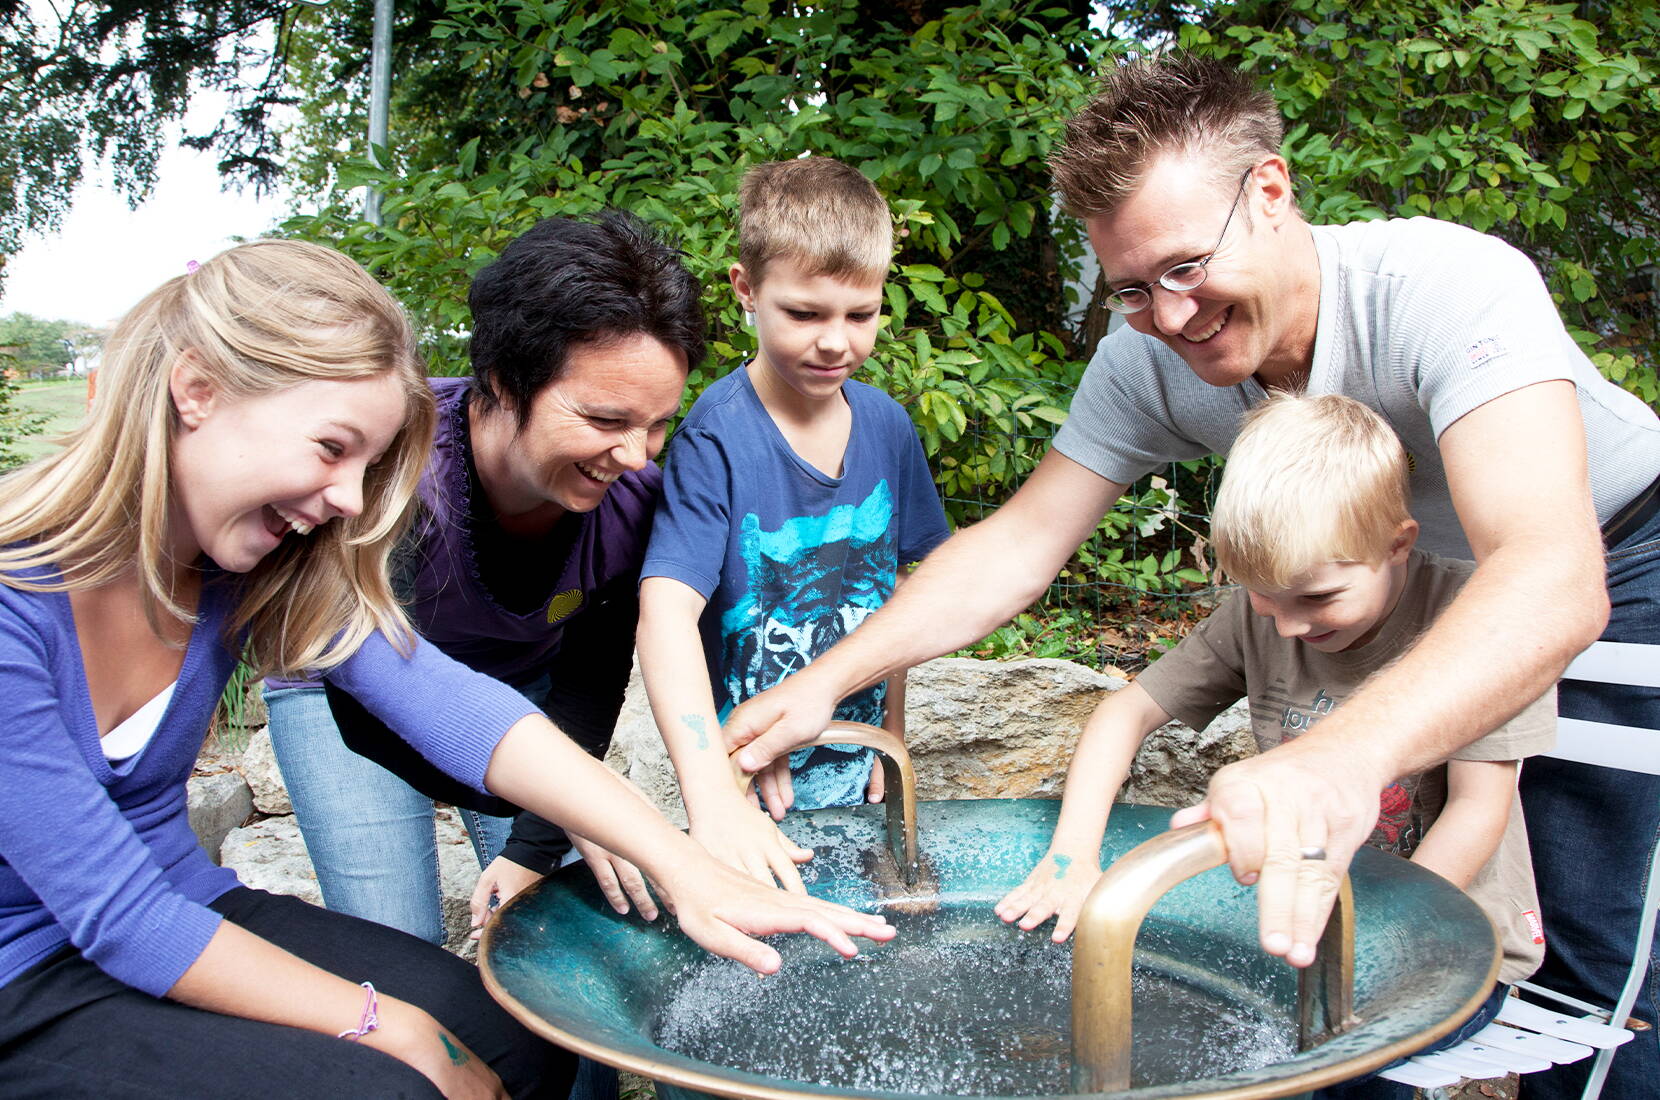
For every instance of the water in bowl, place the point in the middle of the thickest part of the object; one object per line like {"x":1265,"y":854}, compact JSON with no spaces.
{"x":958,"y":1004}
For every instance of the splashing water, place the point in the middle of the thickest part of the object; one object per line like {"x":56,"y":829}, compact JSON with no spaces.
{"x":958,"y":1004}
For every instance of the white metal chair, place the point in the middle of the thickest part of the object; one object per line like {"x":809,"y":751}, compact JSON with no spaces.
{"x":1528,"y":1037}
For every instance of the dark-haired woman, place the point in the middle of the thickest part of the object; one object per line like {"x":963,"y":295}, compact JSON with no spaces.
{"x":537,"y":506}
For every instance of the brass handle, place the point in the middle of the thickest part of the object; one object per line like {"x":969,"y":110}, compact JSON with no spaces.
{"x":1104,"y":950}
{"x":900,"y":780}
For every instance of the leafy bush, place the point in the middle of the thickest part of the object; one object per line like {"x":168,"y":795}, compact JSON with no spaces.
{"x":657,"y":106}
{"x":1539,"y":123}
{"x":15,"y":421}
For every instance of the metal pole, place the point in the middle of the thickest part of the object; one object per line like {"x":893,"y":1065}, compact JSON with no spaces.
{"x":380,"y":93}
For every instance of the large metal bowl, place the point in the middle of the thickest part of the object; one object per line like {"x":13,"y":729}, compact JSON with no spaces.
{"x":594,"y":982}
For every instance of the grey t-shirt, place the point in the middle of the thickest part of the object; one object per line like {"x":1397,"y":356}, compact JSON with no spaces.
{"x":1420,"y":319}
{"x":1292,"y":686}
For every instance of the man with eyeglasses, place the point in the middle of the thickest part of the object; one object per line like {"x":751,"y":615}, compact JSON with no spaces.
{"x":1520,"y":452}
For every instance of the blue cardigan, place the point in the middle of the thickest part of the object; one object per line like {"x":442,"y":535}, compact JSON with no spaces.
{"x":102,"y":856}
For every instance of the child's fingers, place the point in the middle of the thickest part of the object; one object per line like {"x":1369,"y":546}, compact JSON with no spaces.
{"x":1011,"y":905}
{"x":1017,"y":901}
{"x":786,"y":785}
{"x":1066,"y":921}
{"x":729,"y":942}
{"x":1041,"y":909}
{"x":782,"y":868}
{"x":772,"y":789}
{"x":877,"y":788}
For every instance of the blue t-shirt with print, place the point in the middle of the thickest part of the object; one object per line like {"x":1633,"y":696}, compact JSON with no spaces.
{"x":790,"y":558}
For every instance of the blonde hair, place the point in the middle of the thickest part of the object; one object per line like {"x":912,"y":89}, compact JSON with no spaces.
{"x":256,"y":319}
{"x":1147,"y":107}
{"x":1309,"y":480}
{"x":818,"y":212}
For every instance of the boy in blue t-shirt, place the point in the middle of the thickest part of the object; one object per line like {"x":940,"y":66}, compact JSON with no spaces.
{"x":793,"y":496}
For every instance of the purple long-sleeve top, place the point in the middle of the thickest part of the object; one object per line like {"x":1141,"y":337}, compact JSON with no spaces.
{"x":100,"y":855}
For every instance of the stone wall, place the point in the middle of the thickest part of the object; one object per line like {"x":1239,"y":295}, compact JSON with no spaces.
{"x":989,"y":729}
{"x":976,"y":729}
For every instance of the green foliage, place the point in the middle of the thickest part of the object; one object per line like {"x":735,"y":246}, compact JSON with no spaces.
{"x":15,"y":421}
{"x":1539,"y":123}
{"x":657,"y":106}
{"x":230,"y":723}
{"x":40,"y":348}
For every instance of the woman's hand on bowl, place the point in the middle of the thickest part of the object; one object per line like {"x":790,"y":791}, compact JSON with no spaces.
{"x":722,"y":908}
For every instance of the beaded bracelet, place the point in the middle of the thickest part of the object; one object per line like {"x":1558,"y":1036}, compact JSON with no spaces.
{"x":370,"y":1020}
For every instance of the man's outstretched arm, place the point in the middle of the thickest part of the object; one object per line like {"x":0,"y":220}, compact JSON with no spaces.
{"x":976,"y":581}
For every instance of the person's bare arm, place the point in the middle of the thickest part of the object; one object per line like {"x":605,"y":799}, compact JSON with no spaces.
{"x":539,"y":768}
{"x":974,"y":582}
{"x":677,"y":682}
{"x":1063,"y":878}
{"x":1517,"y":470}
{"x":241,"y":974}
{"x":1467,"y":833}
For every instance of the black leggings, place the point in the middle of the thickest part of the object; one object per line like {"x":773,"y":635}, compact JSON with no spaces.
{"x":67,"y":1029}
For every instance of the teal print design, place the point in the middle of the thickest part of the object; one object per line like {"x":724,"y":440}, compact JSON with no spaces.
{"x":809,"y":582}
{"x":1061,"y":865}
{"x":694,"y":722}
{"x":458,"y":1057}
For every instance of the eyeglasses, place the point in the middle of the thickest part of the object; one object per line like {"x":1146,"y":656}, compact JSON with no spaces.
{"x":1181,"y":278}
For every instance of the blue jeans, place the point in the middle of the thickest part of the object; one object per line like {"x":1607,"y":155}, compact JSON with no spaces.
{"x":370,"y":834}
{"x":1593,"y":832}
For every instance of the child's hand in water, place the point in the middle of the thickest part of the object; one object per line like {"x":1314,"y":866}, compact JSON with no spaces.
{"x":742,"y":836}
{"x":1056,"y":888}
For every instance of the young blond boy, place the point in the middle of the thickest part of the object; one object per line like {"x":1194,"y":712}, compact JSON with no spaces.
{"x":793,"y":495}
{"x":1312,"y":521}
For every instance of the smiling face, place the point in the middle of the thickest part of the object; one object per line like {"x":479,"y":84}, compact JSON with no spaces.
{"x":249,"y":472}
{"x":1340,"y":605}
{"x":1257,"y":309}
{"x":608,"y":413}
{"x":813,"y":331}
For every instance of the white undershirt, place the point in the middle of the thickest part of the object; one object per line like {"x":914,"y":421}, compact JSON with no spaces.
{"x":130,"y":737}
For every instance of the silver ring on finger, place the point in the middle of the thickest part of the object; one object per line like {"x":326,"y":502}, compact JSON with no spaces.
{"x":1313,"y":851}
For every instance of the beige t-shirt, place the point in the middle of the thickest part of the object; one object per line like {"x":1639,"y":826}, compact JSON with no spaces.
{"x":1291,"y":686}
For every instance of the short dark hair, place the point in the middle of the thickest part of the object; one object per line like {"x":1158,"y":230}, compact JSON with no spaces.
{"x":1147,"y":107}
{"x":565,"y":281}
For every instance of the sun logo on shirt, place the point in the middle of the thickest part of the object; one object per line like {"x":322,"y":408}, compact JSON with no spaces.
{"x":563,"y":604}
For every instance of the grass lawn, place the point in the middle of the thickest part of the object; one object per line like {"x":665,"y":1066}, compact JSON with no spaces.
{"x":63,"y":401}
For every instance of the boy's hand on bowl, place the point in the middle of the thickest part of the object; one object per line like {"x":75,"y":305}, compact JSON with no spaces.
{"x":1056,"y":887}
{"x":741,"y":836}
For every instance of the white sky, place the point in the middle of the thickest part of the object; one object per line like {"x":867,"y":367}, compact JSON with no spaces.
{"x":107,"y":257}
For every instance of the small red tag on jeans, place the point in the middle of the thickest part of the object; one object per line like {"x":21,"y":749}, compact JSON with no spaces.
{"x":1534,"y":925}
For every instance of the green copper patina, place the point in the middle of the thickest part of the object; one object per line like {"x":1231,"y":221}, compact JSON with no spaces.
{"x":960,"y":1004}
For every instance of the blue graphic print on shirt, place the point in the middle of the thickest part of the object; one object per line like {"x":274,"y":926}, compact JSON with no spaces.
{"x":792,"y":559}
